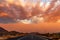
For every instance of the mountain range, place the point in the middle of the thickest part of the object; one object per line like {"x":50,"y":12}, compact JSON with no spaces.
{"x":5,"y":32}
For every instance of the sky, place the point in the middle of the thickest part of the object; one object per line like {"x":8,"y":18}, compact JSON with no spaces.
{"x":40,"y":27}
{"x":17,"y":16}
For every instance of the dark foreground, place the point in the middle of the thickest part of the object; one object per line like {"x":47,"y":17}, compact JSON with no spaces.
{"x":30,"y":37}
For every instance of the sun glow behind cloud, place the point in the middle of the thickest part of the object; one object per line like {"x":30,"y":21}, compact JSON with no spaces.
{"x":34,"y":19}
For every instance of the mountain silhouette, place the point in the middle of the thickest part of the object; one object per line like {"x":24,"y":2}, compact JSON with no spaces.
{"x":2,"y":30}
{"x":14,"y":32}
{"x":5,"y":32}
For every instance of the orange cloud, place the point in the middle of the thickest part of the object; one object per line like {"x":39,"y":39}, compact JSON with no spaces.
{"x":16,"y":11}
{"x":3,"y":14}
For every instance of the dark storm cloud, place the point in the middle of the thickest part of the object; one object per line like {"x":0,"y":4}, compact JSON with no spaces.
{"x":6,"y":20}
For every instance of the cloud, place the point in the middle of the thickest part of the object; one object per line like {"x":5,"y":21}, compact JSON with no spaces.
{"x":34,"y":19}
{"x":25,"y":21}
{"x":10,"y":12}
{"x":6,"y":20}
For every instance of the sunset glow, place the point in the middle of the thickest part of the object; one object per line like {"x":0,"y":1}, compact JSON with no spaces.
{"x":30,"y":15}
